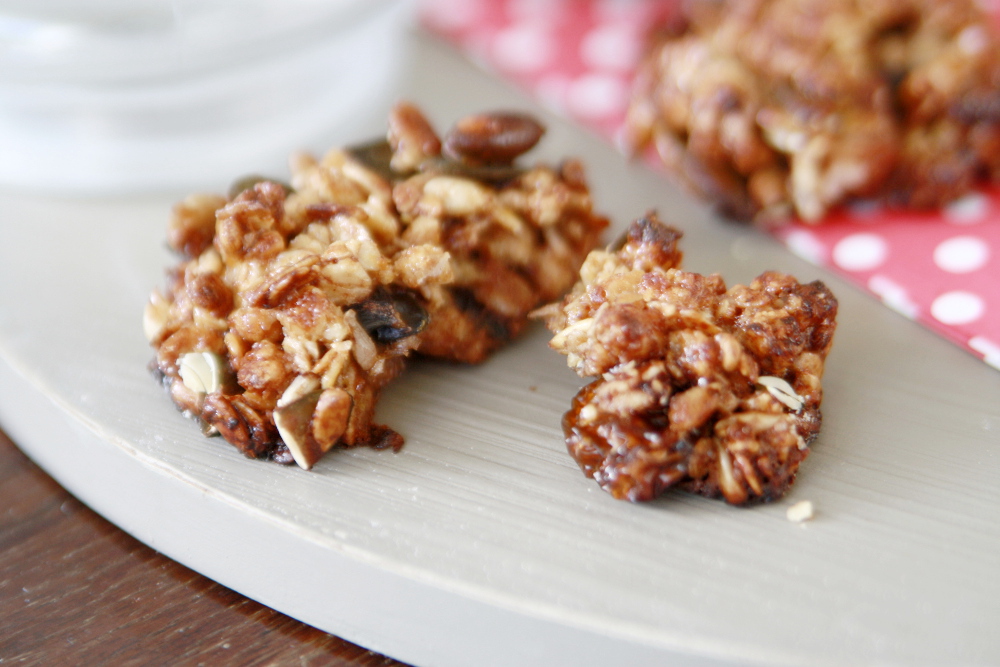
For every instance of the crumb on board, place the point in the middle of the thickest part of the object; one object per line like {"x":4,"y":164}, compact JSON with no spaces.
{"x":800,"y":512}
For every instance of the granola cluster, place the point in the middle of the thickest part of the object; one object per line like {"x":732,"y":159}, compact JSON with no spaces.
{"x":295,"y":304}
{"x":700,"y":388}
{"x":775,"y":107}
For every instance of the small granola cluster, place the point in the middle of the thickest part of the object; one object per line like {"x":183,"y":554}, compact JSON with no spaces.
{"x":699,"y":388}
{"x":774,"y":107}
{"x":294,"y":305}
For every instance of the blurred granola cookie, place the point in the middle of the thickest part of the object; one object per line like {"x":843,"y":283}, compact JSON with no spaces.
{"x":701,"y":388}
{"x":779,"y":107}
{"x":295,"y":304}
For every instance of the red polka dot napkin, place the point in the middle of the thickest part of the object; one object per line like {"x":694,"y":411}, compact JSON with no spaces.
{"x":577,"y":57}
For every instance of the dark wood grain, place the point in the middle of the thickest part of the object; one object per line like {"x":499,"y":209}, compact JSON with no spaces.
{"x":75,"y":589}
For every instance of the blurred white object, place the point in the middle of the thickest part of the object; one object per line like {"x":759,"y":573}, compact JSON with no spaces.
{"x":111,"y":96}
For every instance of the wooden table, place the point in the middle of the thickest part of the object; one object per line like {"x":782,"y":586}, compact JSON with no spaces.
{"x":76,"y":589}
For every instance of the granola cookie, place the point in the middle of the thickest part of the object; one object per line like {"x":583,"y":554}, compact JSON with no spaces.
{"x":701,"y":388}
{"x":778,"y":107}
{"x":294,"y":305}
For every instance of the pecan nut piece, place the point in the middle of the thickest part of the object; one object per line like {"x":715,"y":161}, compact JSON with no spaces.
{"x":241,"y":425}
{"x":494,"y":138}
{"x":411,"y":137}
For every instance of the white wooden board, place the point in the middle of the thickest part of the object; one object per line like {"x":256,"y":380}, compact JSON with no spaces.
{"x":481,"y":542}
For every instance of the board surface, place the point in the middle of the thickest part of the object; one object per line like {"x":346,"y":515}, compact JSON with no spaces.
{"x":481,"y":542}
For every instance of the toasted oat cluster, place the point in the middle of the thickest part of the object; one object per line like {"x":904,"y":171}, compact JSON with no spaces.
{"x":295,"y":304}
{"x":700,"y":388}
{"x":779,"y":107}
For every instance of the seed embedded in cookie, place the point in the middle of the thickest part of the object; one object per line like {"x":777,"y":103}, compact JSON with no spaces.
{"x":697,"y":387}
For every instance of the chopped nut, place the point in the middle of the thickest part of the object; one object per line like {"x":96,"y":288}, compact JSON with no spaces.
{"x":293,"y":422}
{"x":411,"y":137}
{"x":331,"y":417}
{"x":239,"y":423}
{"x":782,"y":391}
{"x":731,"y":489}
{"x":155,"y":317}
{"x":300,"y":387}
{"x":266,"y":369}
{"x":423,"y":265}
{"x":364,"y":348}
{"x":208,"y":291}
{"x":202,"y":372}
{"x":457,"y":196}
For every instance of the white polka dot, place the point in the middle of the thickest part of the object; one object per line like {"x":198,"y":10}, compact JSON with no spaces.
{"x":961,"y":254}
{"x":957,"y":307}
{"x":968,"y":210}
{"x":612,"y":46}
{"x":597,"y":96}
{"x":522,"y":48}
{"x":860,"y":252}
{"x":805,"y":244}
{"x":538,"y":9}
{"x":973,"y":40}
